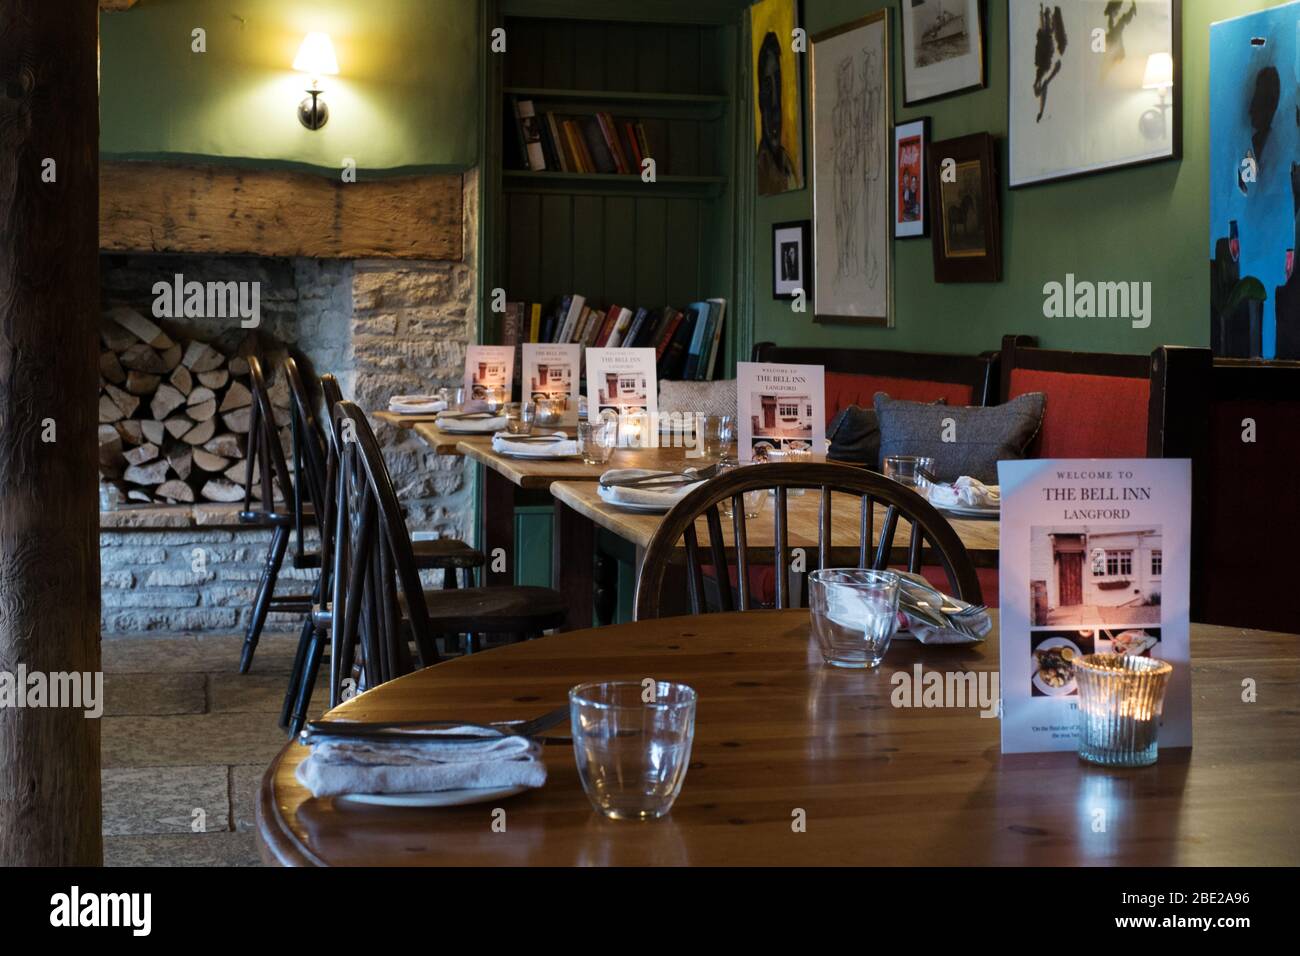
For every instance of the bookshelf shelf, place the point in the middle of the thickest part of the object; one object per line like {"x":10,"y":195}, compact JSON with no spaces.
{"x":648,"y":104}
{"x":612,"y":184}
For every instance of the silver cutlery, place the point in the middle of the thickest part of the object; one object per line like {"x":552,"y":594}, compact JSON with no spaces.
{"x":662,"y":479}
{"x":409,"y":730}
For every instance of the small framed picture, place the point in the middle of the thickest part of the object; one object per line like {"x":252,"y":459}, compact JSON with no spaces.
{"x":943,"y":48}
{"x":911,"y":140}
{"x":964,"y":205}
{"x":791,"y":259}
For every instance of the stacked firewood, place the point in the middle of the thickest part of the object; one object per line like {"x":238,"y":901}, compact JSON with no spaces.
{"x":174,"y":415}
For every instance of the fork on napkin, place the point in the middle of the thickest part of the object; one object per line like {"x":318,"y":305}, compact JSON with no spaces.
{"x":933,"y":617}
{"x":965,"y":492}
{"x":424,"y":764}
{"x":644,"y":494}
{"x":536,"y":446}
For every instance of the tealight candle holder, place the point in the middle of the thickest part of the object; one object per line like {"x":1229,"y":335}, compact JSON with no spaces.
{"x":1120,"y":701}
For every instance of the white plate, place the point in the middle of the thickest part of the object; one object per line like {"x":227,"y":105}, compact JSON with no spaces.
{"x":436,"y":798}
{"x":961,"y":511}
{"x":521,"y":453}
{"x":1069,"y":686}
{"x":607,"y":496}
{"x":461,"y":429}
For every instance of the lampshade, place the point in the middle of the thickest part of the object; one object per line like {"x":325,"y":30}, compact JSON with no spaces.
{"x":316,"y":55}
{"x":1160,"y":72}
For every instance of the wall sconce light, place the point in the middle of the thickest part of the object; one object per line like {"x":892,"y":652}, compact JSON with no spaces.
{"x":315,"y":57}
{"x":1159,"y":76}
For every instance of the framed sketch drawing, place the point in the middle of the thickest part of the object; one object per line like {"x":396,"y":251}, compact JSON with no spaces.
{"x":852,"y":138}
{"x":1094,"y":85}
{"x":778,"y":117}
{"x":791,"y":258}
{"x":943,"y":48}
{"x":964,"y":205}
{"x":911,"y":142}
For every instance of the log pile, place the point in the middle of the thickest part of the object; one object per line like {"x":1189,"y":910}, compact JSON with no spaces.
{"x":174,"y":415}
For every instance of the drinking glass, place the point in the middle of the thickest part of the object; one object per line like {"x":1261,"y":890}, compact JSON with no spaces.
{"x":633,"y":745}
{"x":458,"y":398}
{"x":596,"y":441}
{"x":854,"y":614}
{"x":494,"y":396}
{"x":753,"y":499}
{"x":516,"y":423}
{"x":548,"y":413}
{"x":728,"y":433}
{"x":1121,"y":698}
{"x":906,"y":470}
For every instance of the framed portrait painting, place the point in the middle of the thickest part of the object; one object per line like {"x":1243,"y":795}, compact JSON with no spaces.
{"x":943,"y":48}
{"x":911,"y":140}
{"x":791,"y":259}
{"x":967,"y":238}
{"x":1093,"y":85}
{"x":852,"y":129}
{"x":778,"y":111}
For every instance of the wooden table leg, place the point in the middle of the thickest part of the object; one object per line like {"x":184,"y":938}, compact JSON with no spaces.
{"x":573,"y":543}
{"x":498,"y":528}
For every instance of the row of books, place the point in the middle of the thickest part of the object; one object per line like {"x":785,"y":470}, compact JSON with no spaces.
{"x":579,"y":143}
{"x":686,"y":341}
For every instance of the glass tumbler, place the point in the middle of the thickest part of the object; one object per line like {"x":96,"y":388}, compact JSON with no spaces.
{"x":516,"y":423}
{"x":1121,"y":698}
{"x":596,"y":441}
{"x":854,"y":614}
{"x":907,"y":470}
{"x":754,"y":500}
{"x":633,"y":745}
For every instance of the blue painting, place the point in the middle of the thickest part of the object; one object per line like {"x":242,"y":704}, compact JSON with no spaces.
{"x":1255,"y":184}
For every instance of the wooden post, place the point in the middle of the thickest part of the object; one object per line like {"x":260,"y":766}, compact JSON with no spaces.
{"x":49,"y":504}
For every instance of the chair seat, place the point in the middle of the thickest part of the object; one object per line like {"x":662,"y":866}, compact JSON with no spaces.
{"x":446,"y":553}
{"x":515,"y":610}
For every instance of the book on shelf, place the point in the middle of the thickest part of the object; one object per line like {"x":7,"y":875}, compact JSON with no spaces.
{"x":691,"y":365}
{"x":596,"y":142}
{"x":530,"y":135}
{"x":712,"y":365}
{"x":535,"y":322}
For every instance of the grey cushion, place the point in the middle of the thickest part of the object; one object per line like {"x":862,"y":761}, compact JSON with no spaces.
{"x":854,"y":435}
{"x":698,"y":398}
{"x":981,"y":436}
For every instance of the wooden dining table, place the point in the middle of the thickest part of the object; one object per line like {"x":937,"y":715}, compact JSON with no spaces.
{"x":797,"y":763}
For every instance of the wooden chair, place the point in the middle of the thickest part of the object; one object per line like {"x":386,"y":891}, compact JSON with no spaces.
{"x":872,"y":490}
{"x":377,"y":595}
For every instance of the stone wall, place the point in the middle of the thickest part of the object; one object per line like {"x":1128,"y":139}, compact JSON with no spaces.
{"x":382,"y":327}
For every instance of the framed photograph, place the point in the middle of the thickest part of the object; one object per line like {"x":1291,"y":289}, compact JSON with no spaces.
{"x":778,"y":111}
{"x":852,"y":125}
{"x":943,"y":48}
{"x":911,"y":140}
{"x":964,"y":204}
{"x":1093,"y":85}
{"x":791,"y":258}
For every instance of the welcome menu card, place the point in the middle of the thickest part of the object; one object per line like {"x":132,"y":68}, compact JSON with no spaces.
{"x":623,"y":381}
{"x":781,"y":407}
{"x":488,"y":366}
{"x":1094,"y":559}
{"x":551,"y":372}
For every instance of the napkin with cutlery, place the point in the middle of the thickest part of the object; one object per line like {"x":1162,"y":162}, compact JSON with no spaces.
{"x":556,"y":445}
{"x":416,"y":404}
{"x":424,"y":764}
{"x":933,"y":617}
{"x":667,"y":493}
{"x":965,"y":492}
{"x":478,"y":422}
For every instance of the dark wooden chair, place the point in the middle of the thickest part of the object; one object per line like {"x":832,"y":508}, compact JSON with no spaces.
{"x":378,"y":602}
{"x":872,"y":491}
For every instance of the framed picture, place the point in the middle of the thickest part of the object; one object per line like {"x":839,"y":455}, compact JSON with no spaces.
{"x":943,"y":48}
{"x":791,"y":258}
{"x":911,"y":140}
{"x":1094,"y":85}
{"x":778,"y":113}
{"x":852,"y":127}
{"x":964,"y":203}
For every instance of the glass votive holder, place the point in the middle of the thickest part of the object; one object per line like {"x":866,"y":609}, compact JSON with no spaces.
{"x":596,"y":441}
{"x":1121,"y":698}
{"x":632,"y":743}
{"x":547,"y":413}
{"x":908,"y":470}
{"x":516,"y":423}
{"x":854,"y":614}
{"x":494,"y":396}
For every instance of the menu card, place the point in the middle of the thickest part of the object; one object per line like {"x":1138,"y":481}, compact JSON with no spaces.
{"x":622,"y":381}
{"x":551,"y":372}
{"x":1094,"y":559}
{"x":488,"y":366}
{"x":781,"y":408}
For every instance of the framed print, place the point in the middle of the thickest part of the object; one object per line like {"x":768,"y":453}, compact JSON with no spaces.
{"x":791,"y":258}
{"x":1093,"y":85}
{"x":852,"y":128}
{"x":911,"y":140}
{"x":964,"y":205}
{"x":778,"y":116}
{"x":943,"y":48}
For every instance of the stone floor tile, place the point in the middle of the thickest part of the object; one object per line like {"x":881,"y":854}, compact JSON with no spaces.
{"x":179,"y":849}
{"x":154,"y":694}
{"x":145,"y":800}
{"x":190,"y":740}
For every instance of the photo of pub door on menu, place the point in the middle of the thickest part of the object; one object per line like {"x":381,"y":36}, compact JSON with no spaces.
{"x":781,"y":408}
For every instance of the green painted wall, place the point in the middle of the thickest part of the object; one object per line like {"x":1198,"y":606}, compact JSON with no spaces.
{"x":1144,"y":224}
{"x":406,"y":96}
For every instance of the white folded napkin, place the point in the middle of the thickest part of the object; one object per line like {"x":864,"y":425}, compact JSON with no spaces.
{"x":965,"y":492}
{"x":416,"y":404}
{"x":566,"y":448}
{"x":422,"y":766}
{"x":643,"y":494}
{"x":478,"y":425}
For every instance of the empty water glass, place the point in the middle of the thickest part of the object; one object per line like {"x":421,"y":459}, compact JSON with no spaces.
{"x":516,"y":424}
{"x":632,"y":742}
{"x":753,"y":499}
{"x":910,"y":470}
{"x":854,"y":614}
{"x":596,"y":441}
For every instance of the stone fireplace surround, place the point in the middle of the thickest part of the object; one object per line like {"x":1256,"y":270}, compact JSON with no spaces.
{"x":382,"y":326}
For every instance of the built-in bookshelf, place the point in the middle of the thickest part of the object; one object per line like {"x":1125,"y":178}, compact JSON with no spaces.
{"x":611,"y":236}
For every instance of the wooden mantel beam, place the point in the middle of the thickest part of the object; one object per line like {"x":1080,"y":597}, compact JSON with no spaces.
{"x":112,"y":6}
{"x":216,"y":210}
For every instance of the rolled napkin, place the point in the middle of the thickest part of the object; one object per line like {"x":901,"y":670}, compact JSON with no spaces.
{"x":422,"y":766}
{"x":965,"y":492}
{"x":416,"y":404}
{"x":565,"y":447}
{"x":930,"y":616}
{"x":643,"y":494}
{"x":476,"y":425}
